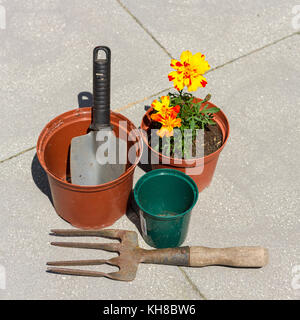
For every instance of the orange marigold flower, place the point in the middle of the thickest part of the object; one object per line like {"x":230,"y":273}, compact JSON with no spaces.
{"x":166,"y":115}
{"x":189,"y":71}
{"x":156,"y":117}
{"x":168,"y":124}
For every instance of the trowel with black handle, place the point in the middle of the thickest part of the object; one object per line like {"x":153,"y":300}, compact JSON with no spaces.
{"x":94,"y":157}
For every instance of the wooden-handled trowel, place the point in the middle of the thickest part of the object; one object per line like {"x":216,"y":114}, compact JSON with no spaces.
{"x":94,"y":157}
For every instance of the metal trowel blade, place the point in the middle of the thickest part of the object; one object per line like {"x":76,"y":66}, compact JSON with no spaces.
{"x":85,"y":153}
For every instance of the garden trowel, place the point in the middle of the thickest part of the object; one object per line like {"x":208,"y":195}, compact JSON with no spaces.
{"x":94,"y":157}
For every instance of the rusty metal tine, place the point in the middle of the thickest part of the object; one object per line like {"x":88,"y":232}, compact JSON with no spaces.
{"x":106,"y":233}
{"x":78,"y":262}
{"x":84,"y":245}
{"x":127,"y":266}
{"x":77,"y":272}
{"x":87,"y":273}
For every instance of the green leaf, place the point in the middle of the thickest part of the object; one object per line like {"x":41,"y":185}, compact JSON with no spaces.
{"x":192,"y":124}
{"x":210,"y":110}
{"x":199,"y":118}
{"x":204,"y":108}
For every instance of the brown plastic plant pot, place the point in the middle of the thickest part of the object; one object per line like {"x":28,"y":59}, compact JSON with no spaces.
{"x":85,"y":207}
{"x":201,"y":170}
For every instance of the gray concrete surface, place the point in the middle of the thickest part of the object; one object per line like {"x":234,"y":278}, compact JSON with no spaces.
{"x":45,"y":59}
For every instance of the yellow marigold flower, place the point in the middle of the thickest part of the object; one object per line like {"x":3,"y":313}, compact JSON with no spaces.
{"x":163,"y":107}
{"x":189,"y":71}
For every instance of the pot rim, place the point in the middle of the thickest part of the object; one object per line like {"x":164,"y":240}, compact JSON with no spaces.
{"x":169,"y":172}
{"x":62,"y":120}
{"x":193,"y":162}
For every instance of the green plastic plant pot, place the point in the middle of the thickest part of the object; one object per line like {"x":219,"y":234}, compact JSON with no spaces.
{"x":165,"y":199}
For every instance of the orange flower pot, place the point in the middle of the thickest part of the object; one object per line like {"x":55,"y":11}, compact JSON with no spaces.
{"x":201,"y":170}
{"x":86,"y":207}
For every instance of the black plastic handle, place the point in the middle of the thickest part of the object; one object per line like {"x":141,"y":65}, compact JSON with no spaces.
{"x":101,"y":90}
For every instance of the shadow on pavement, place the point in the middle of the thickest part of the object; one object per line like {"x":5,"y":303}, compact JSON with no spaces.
{"x":40,"y":178}
{"x":132,"y":212}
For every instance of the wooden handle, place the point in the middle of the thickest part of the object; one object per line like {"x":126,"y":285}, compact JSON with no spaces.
{"x":251,"y":257}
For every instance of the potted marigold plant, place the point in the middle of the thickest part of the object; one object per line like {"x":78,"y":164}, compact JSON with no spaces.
{"x":182,"y":131}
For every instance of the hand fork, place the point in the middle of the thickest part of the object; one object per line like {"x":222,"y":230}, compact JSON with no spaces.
{"x":130,"y":255}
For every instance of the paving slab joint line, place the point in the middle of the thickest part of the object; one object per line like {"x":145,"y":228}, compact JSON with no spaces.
{"x":131,"y":104}
{"x":144,"y":28}
{"x":254,"y":51}
{"x":17,"y":154}
{"x":193,"y":285}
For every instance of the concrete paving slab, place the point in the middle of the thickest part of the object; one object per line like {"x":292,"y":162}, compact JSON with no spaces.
{"x":28,"y":217}
{"x":253,"y":199}
{"x":222,"y":30}
{"x":258,"y":176}
{"x":46,"y":61}
{"x":254,"y":196}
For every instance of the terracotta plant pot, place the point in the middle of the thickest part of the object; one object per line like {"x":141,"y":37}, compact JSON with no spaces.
{"x":201,"y":170}
{"x":86,"y":207}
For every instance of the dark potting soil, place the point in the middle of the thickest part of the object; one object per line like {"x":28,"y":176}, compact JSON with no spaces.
{"x":213,"y":139}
